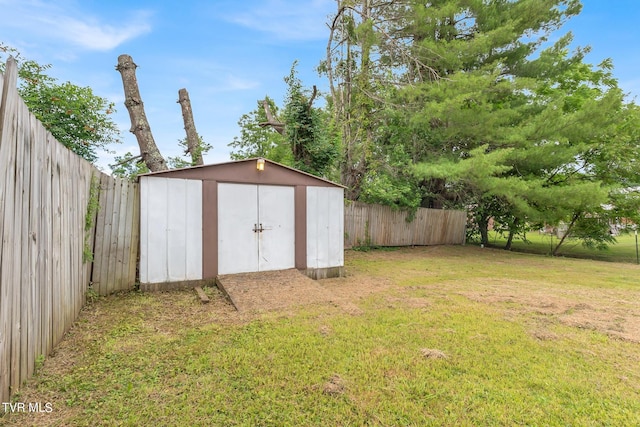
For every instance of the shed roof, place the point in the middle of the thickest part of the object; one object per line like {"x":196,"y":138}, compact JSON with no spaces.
{"x":245,"y":171}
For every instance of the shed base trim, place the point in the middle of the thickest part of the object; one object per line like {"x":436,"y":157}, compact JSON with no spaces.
{"x":172,"y":286}
{"x":324,"y":273}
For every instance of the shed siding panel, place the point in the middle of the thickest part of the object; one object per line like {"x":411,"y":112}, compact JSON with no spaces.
{"x":171,"y":230}
{"x":176,"y":227}
{"x":335,"y":234}
{"x":322,"y":225}
{"x":156,"y":223}
{"x":325,"y":227}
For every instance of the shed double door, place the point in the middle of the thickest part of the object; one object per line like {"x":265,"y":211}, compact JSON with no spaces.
{"x":256,"y":228}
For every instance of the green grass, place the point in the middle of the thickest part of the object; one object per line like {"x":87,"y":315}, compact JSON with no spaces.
{"x":165,"y":359}
{"x":624,"y":250}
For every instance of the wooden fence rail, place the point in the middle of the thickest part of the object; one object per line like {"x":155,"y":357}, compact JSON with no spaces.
{"x":45,"y":190}
{"x":378,"y":225}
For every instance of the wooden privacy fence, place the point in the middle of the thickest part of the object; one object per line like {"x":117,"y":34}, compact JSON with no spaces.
{"x":378,"y":225}
{"x":45,"y":192}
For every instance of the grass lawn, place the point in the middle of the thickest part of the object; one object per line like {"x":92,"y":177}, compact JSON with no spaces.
{"x":624,"y":250}
{"x":447,"y":336}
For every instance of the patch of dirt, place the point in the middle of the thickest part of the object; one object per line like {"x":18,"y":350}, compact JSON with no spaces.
{"x":431,"y":353}
{"x":325,"y":330}
{"x":334,"y":386}
{"x":604,"y":310}
{"x":278,"y":290}
{"x":272,"y":290}
{"x":544,"y":335}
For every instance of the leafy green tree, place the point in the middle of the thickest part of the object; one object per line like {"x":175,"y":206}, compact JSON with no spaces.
{"x":473,"y":91}
{"x":554,"y":128}
{"x":74,"y":115}
{"x":303,"y":137}
{"x":308,"y":130}
{"x":389,"y":182}
{"x":259,"y":140}
{"x":376,"y":46}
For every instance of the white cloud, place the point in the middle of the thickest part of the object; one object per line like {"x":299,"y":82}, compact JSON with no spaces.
{"x":96,"y":36}
{"x":287,"y":19}
{"x":63,"y":21}
{"x":237,"y":83}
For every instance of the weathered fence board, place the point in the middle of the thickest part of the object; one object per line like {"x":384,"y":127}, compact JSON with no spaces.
{"x":376,"y":225}
{"x":44,"y":195}
{"x":4,"y":290}
{"x":7,"y":173}
{"x":116,"y":238}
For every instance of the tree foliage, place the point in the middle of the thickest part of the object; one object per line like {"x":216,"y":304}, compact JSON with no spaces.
{"x":260,"y":141}
{"x":74,"y":115}
{"x":199,"y":150}
{"x":307,"y":130}
{"x":308,"y":140}
{"x":466,"y":104}
{"x":129,"y":166}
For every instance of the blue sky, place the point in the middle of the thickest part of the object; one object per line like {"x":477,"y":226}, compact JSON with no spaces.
{"x":228,"y":54}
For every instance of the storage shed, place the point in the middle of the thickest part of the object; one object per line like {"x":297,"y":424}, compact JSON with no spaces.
{"x":244,"y":216}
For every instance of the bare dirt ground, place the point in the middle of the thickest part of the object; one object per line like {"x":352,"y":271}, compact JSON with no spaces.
{"x":271,"y":290}
{"x":609,"y":311}
{"x":277,"y":290}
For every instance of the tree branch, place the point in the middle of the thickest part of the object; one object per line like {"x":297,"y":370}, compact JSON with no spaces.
{"x":313,"y":95}
{"x":139,"y":156}
{"x":271,"y":120}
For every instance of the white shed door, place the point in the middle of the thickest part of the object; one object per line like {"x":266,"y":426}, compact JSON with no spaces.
{"x":256,"y":228}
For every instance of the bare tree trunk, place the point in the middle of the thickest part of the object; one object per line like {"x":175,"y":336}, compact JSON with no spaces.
{"x":509,"y":245}
{"x":575,"y":218}
{"x":483,"y":227}
{"x":512,"y":232}
{"x":193,"y":140}
{"x":139,"y":123}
